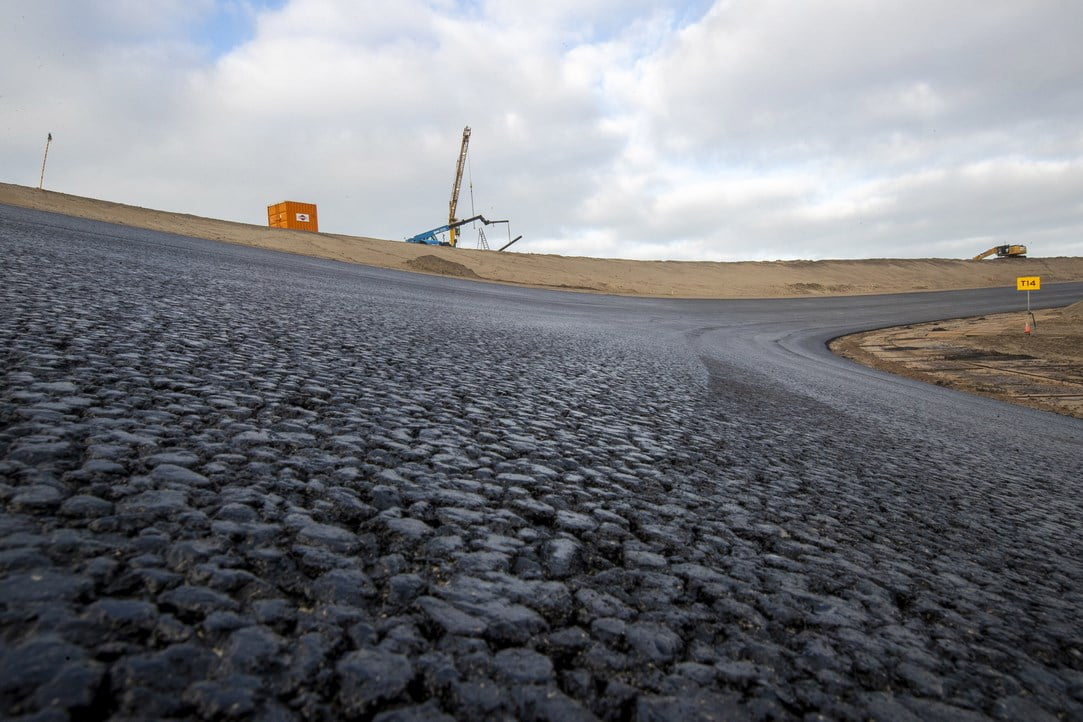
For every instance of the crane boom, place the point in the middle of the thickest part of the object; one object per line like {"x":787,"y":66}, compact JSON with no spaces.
{"x":455,"y":186}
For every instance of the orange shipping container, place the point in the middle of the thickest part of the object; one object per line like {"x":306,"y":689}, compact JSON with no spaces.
{"x":291,"y":214}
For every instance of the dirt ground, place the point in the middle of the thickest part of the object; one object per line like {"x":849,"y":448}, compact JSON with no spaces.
{"x":988,"y":355}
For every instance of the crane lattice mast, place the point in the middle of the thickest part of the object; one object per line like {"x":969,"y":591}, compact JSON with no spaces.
{"x":453,"y":233}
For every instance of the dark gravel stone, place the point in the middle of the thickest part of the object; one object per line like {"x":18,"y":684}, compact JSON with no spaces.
{"x":644,"y":559}
{"x":428,"y":712}
{"x":172,"y":459}
{"x":568,"y":641}
{"x":562,"y":557}
{"x":408,"y":527}
{"x":221,"y":624}
{"x":444,"y":546}
{"x":519,"y":665}
{"x":45,"y":662}
{"x":343,"y":586}
{"x":739,"y":673}
{"x":1022,"y":708}
{"x":475,"y":562}
{"x":73,"y":687}
{"x":86,"y":507}
{"x":150,"y":580}
{"x":335,"y":539}
{"x":509,"y":623}
{"x":346,"y":506}
{"x":450,"y":619}
{"x":171,"y":630}
{"x":152,"y":684}
{"x":57,"y":388}
{"x":22,"y":558}
{"x":37,"y":498}
{"x":534,"y":510}
{"x":124,"y":615}
{"x":237,"y":512}
{"x":549,"y":705}
{"x":480,"y":698}
{"x":935,"y":711}
{"x":695,"y":707}
{"x":308,"y":660}
{"x":601,"y":604}
{"x":404,"y":588}
{"x":102,"y":467}
{"x":188,"y":553}
{"x":253,"y":650}
{"x":155,"y":502}
{"x":275,"y":613}
{"x":700,"y":674}
{"x":28,"y":587}
{"x":654,"y":642}
{"x":384,"y":497}
{"x":37,"y":454}
{"x":234,"y":697}
{"x":369,"y":677}
{"x":192,"y":601}
{"x":575,"y":522}
{"x":883,"y":705}
{"x":609,"y":629}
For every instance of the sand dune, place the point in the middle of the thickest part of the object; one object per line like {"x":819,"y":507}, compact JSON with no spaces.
{"x":676,"y":279}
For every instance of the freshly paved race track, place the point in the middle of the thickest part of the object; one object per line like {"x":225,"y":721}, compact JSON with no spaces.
{"x":245,"y":484}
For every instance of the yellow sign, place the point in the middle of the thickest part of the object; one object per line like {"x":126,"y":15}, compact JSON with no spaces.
{"x":1028,"y":283}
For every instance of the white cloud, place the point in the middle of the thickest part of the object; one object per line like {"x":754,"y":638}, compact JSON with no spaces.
{"x":739,"y":130}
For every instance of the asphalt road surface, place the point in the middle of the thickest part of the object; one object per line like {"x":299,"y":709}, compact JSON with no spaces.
{"x":244,"y":484}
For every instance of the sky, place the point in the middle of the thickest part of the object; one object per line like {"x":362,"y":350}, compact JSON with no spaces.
{"x":683,"y":130}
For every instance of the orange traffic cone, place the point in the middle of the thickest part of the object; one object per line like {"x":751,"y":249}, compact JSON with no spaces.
{"x":1026,"y":328}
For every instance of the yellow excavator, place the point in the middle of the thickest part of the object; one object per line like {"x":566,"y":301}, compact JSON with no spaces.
{"x":1014,"y":250}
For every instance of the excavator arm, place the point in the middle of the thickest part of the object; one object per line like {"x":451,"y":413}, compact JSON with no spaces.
{"x":430,"y":237}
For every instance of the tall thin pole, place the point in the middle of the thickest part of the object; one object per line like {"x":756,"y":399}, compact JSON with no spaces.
{"x":41,"y":181}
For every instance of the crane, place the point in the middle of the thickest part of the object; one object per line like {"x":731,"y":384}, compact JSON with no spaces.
{"x":1015,"y":250}
{"x":431,"y":237}
{"x":455,"y":186}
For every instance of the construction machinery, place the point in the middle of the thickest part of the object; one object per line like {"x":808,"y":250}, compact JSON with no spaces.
{"x":1012,"y":250}
{"x":432,"y":237}
{"x":455,"y":186}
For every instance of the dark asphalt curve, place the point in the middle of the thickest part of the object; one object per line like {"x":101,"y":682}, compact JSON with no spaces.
{"x":244,"y":484}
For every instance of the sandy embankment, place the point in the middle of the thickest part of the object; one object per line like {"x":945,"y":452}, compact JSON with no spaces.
{"x":670,"y":279}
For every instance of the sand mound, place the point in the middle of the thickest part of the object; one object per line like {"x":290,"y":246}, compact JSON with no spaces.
{"x":442,"y":266}
{"x":1074,"y":312}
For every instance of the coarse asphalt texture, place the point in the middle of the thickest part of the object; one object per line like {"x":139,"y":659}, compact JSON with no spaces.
{"x":246,"y":484}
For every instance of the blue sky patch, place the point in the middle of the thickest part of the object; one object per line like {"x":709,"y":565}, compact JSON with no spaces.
{"x":232,"y":23}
